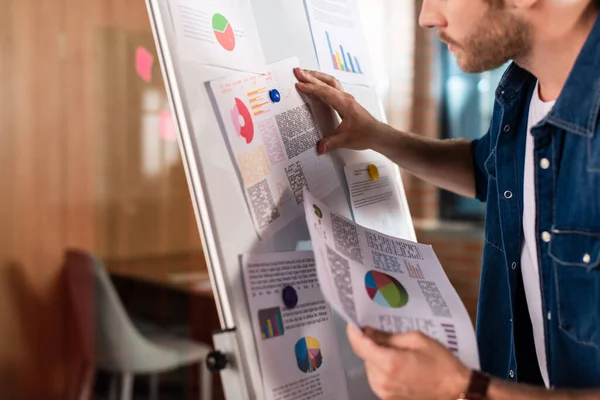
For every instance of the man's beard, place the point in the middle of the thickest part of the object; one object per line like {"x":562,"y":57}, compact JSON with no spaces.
{"x":498,"y":38}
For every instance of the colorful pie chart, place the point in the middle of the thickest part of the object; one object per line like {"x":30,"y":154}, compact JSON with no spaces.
{"x":223,"y":32}
{"x":385,"y":290}
{"x":308,"y":354}
{"x":239,"y":114}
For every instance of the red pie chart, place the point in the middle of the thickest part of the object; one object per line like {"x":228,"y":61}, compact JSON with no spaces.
{"x":223,"y":32}
{"x":240,"y":112}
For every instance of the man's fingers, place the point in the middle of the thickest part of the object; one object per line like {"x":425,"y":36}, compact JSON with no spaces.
{"x":402,"y":341}
{"x":379,"y":337}
{"x":363,"y":346}
{"x":331,"y":96}
{"x":305,"y":76}
{"x":331,"y":143}
{"x":378,"y":381}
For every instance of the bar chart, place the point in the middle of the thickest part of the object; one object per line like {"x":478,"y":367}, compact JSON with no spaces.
{"x":271,"y":323}
{"x":342,"y":60}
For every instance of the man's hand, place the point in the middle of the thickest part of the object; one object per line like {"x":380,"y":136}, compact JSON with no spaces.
{"x":359,"y":130}
{"x":409,"y":366}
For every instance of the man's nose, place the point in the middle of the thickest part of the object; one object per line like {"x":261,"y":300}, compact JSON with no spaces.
{"x":431,"y":15}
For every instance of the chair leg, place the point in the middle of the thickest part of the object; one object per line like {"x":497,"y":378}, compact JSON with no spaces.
{"x":112,"y":391}
{"x":126,"y":386}
{"x":205,"y":382}
{"x":154,"y":387}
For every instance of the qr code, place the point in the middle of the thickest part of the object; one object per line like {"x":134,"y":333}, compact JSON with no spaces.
{"x":388,"y":245}
{"x":262,"y":203}
{"x":343,"y":281}
{"x":297,"y":181}
{"x":385,"y":262}
{"x":298,"y":130}
{"x":345,"y":237}
{"x":434,"y":298}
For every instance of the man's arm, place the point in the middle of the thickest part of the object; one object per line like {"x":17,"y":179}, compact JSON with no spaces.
{"x":414,"y":366}
{"x":447,"y":164}
{"x":444,"y":163}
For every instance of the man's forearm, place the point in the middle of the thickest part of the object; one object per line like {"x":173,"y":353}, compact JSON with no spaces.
{"x":445,"y":163}
{"x":500,"y":390}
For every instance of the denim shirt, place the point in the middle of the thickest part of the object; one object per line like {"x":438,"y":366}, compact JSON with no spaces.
{"x":567,"y":193}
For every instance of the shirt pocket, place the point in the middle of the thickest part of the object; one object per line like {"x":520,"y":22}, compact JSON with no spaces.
{"x":576,"y":256}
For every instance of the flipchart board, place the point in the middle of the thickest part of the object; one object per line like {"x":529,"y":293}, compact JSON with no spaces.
{"x":223,"y":219}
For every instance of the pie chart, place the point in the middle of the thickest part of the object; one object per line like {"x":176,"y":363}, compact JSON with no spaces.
{"x":308,"y":354}
{"x":223,"y":32}
{"x":385,"y":290}
{"x":240,"y":113}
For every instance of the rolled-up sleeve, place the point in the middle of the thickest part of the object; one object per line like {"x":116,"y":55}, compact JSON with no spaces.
{"x":481,"y":151}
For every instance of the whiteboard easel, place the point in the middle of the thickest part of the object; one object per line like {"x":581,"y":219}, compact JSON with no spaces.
{"x":225,"y":226}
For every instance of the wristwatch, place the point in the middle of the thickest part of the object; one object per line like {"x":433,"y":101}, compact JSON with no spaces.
{"x":478,"y":386}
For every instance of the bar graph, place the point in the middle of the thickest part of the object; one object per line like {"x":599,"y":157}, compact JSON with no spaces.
{"x":271,"y":323}
{"x":258,"y":101}
{"x":343,"y":60}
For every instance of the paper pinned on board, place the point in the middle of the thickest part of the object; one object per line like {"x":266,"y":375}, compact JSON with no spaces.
{"x":339,"y":40}
{"x":297,"y":348}
{"x":218,"y":32}
{"x":375,"y":203}
{"x":386,"y":283}
{"x":273,"y":144}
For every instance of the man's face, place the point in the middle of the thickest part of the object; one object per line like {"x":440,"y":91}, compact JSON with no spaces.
{"x":482,"y":35}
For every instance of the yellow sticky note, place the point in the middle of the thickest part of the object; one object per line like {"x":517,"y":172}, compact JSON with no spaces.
{"x":373,"y":172}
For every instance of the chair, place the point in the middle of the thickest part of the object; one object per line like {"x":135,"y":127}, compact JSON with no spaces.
{"x":117,"y":346}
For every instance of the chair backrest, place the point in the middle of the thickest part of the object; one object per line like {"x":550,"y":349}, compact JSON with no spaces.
{"x":104,"y":323}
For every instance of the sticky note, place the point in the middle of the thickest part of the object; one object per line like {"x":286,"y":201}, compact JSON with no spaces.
{"x":373,"y":172}
{"x":144,"y":61}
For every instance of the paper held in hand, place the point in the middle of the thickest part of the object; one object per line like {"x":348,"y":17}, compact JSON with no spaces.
{"x":389,"y":284}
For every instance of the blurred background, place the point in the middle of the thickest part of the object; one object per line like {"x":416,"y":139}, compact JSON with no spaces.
{"x":89,"y":161}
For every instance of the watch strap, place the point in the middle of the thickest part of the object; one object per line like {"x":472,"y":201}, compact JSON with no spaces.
{"x":478,"y":386}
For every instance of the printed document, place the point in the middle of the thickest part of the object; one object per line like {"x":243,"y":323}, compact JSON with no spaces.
{"x":375,"y":202}
{"x":389,"y":284}
{"x":274,"y":144}
{"x":297,"y":347}
{"x":339,"y":40}
{"x":218,"y":32}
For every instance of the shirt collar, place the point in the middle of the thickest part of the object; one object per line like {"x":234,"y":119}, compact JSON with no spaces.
{"x":576,"y":109}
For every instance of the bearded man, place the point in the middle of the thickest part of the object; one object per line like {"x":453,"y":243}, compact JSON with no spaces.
{"x":538,"y":170}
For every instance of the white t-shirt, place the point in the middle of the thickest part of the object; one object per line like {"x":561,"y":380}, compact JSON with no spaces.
{"x":529,"y":257}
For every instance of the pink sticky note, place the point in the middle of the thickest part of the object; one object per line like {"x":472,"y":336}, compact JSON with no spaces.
{"x":143,"y":63}
{"x":167,"y":128}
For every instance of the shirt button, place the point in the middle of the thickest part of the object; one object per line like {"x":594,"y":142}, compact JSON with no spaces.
{"x":514,"y":265}
{"x":545,"y":163}
{"x":549,"y":316}
{"x":506,"y":128}
{"x":546,"y":237}
{"x":511,"y":373}
{"x":587,"y":258}
{"x":508,"y":194}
